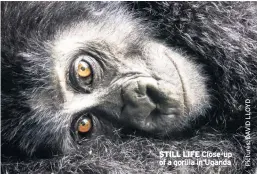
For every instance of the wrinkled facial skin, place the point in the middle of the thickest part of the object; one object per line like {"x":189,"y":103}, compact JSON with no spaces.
{"x":131,"y":81}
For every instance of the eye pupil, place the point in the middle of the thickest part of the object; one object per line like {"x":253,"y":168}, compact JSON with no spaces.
{"x":83,"y":68}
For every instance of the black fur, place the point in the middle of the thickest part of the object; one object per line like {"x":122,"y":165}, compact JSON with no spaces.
{"x":220,"y":35}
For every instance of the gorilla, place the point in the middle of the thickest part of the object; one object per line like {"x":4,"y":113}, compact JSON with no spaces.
{"x":121,"y":87}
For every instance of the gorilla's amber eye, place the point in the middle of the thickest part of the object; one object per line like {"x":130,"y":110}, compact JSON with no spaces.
{"x":84,"y":125}
{"x":82,"y":73}
{"x":84,"y":69}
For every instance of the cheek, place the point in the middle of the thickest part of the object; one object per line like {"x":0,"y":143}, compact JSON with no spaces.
{"x":162,"y":68}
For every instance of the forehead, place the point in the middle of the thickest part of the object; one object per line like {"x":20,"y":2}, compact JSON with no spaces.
{"x":113,"y":32}
{"x":118,"y":32}
{"x":80,"y":35}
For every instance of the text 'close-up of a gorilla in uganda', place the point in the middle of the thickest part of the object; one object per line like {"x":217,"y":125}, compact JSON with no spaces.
{"x":129,"y":87}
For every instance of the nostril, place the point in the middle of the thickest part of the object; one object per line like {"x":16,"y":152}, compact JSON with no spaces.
{"x":153,"y":93}
{"x":147,"y":87}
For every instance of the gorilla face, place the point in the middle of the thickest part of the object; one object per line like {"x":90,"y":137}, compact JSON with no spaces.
{"x":146,"y":85}
{"x":137,"y":83}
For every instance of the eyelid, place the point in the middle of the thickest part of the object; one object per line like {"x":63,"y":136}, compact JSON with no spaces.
{"x":97,"y":56}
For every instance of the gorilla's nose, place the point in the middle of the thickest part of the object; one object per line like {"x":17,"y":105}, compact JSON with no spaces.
{"x":148,"y":103}
{"x":138,"y":102}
